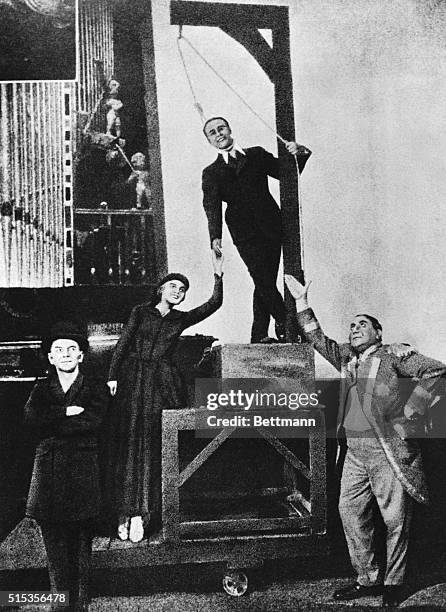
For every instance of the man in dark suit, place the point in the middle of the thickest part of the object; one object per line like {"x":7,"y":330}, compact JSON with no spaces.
{"x":67,"y":410}
{"x":239,"y":177}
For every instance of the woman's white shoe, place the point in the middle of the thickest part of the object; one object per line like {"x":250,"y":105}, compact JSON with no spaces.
{"x":123,"y":528}
{"x":136,"y":533}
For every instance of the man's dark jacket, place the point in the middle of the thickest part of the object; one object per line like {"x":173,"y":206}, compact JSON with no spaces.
{"x":251,"y":210}
{"x":65,"y":481}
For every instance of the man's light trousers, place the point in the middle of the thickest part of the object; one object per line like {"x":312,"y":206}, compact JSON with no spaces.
{"x":366,"y":477}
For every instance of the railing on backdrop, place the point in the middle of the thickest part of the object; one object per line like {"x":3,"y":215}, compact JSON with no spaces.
{"x":114,"y":247}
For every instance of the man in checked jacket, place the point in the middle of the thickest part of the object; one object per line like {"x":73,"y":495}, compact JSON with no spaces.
{"x":379,"y":413}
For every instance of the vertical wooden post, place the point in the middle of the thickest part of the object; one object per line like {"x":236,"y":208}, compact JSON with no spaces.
{"x":170,"y":478}
{"x":154,"y":147}
{"x":289,"y":187}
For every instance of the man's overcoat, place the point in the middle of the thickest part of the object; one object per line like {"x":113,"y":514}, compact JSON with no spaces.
{"x":65,"y":481}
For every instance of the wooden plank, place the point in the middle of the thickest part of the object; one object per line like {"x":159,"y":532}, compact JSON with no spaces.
{"x":255,"y":44}
{"x":294,"y":362}
{"x":179,"y":420}
{"x":184,"y":419}
{"x":206,"y":550}
{"x":236,"y":493}
{"x":15,"y":552}
{"x":204,"y":455}
{"x":114,"y":212}
{"x":170,"y":482}
{"x":204,"y":528}
{"x":289,"y":177}
{"x":285,"y":452}
{"x":219,"y":13}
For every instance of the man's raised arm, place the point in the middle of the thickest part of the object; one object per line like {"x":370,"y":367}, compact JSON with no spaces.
{"x":307,"y":321}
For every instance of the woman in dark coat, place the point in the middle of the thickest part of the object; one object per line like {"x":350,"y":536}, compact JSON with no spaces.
{"x":146,"y":381}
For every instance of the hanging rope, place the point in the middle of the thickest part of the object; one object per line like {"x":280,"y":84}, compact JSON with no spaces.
{"x":228,"y":85}
{"x":199,"y":108}
{"x":197,"y":105}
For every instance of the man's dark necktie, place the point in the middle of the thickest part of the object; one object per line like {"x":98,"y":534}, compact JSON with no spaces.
{"x":233,"y":161}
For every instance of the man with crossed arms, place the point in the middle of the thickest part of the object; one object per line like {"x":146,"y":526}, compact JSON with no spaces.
{"x":382,"y":463}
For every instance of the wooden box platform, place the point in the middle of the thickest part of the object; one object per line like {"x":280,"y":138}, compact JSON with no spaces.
{"x":273,"y":361}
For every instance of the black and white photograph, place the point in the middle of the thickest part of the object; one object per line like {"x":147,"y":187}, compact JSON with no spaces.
{"x":277,"y":442}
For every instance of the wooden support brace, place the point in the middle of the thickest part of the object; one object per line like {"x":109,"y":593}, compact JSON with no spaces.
{"x":285,"y":452}
{"x":205,"y":454}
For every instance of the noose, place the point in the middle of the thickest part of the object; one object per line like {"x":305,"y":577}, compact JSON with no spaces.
{"x":197,"y":104}
{"x":219,"y":76}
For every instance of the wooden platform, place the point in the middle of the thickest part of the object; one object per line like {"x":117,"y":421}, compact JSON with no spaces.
{"x":23,"y":549}
{"x":273,"y":361}
{"x":224,"y":498}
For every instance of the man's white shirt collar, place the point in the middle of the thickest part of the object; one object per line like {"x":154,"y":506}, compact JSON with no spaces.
{"x":235,"y":147}
{"x":363,"y":356}
{"x":356,"y":359}
{"x":354,"y":362}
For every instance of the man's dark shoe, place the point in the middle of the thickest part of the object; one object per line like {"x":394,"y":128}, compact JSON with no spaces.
{"x":280,"y":332}
{"x":268,"y":340}
{"x":393,"y":595}
{"x":356,"y":590}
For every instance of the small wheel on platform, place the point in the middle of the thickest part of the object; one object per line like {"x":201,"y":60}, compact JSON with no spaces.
{"x":235,"y":583}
